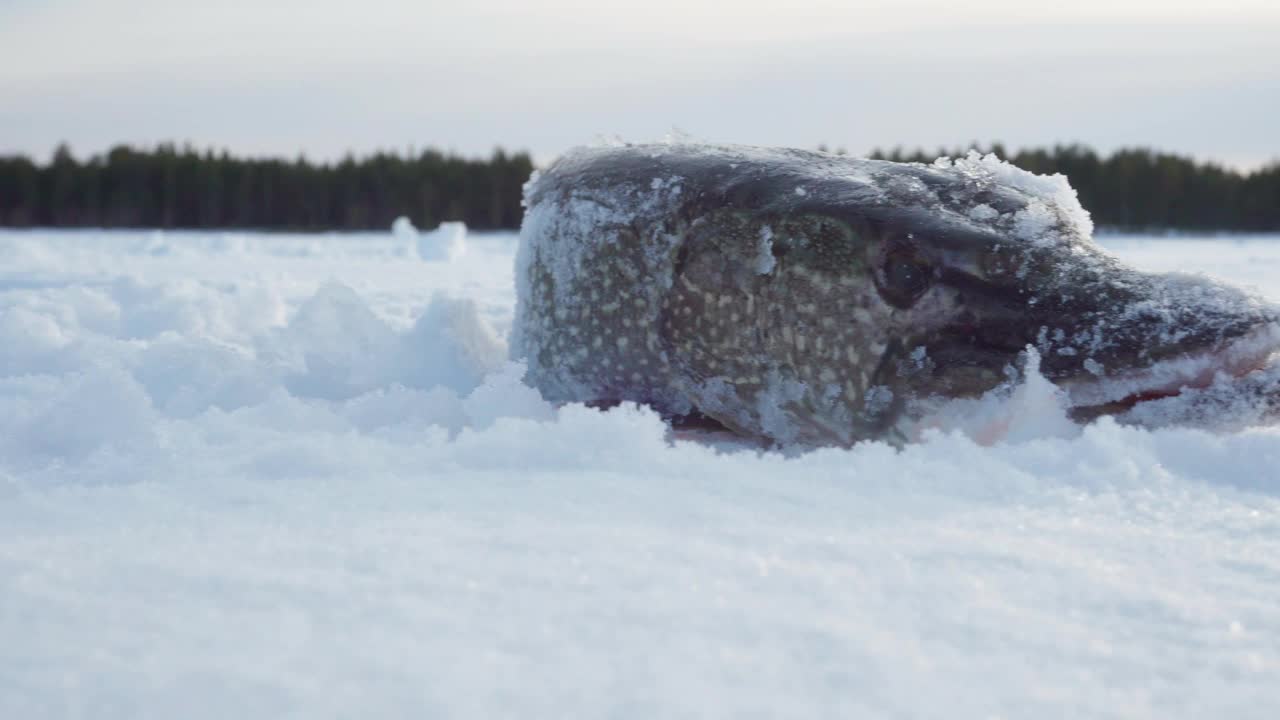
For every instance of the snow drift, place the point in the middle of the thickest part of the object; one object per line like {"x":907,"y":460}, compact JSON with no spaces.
{"x":447,"y":243}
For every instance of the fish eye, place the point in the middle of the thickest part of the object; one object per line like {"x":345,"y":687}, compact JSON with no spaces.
{"x":904,"y":275}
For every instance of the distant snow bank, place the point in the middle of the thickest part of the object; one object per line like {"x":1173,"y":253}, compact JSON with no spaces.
{"x":446,"y":243}
{"x":254,"y":476}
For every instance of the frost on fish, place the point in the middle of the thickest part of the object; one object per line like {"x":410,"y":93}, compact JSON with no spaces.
{"x":589,"y":290}
{"x":813,"y":298}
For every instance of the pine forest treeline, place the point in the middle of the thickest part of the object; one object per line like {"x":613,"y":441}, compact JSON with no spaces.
{"x":183,"y":188}
{"x":172,"y":187}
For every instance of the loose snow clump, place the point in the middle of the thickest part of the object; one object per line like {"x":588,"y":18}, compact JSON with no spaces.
{"x":446,"y":243}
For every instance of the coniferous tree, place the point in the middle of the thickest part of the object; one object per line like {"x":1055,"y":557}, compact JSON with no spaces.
{"x":173,"y":186}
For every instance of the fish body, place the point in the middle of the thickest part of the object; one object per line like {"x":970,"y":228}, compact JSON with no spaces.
{"x":804,"y":297}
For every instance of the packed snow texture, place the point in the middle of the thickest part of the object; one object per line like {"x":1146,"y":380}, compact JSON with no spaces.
{"x":269,"y":475}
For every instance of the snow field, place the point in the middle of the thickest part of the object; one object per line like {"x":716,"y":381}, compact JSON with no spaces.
{"x":264,"y":476}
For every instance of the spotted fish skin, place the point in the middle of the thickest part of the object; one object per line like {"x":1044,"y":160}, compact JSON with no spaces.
{"x":804,"y":297}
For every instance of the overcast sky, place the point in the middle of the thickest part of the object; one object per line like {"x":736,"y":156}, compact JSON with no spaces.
{"x":287,"y":76}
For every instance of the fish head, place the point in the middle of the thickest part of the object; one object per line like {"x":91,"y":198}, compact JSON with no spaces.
{"x":814,"y":298}
{"x":976,"y":263}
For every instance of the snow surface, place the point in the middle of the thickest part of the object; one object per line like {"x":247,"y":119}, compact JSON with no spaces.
{"x":279,"y":475}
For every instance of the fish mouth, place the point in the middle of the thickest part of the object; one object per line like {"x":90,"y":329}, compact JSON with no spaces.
{"x":1111,"y":394}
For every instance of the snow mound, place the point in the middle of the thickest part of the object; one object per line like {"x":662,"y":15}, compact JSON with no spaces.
{"x":337,"y":348}
{"x":446,"y":243}
{"x":402,"y":228}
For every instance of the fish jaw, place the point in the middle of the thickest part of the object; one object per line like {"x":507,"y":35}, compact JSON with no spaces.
{"x":1108,"y":393}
